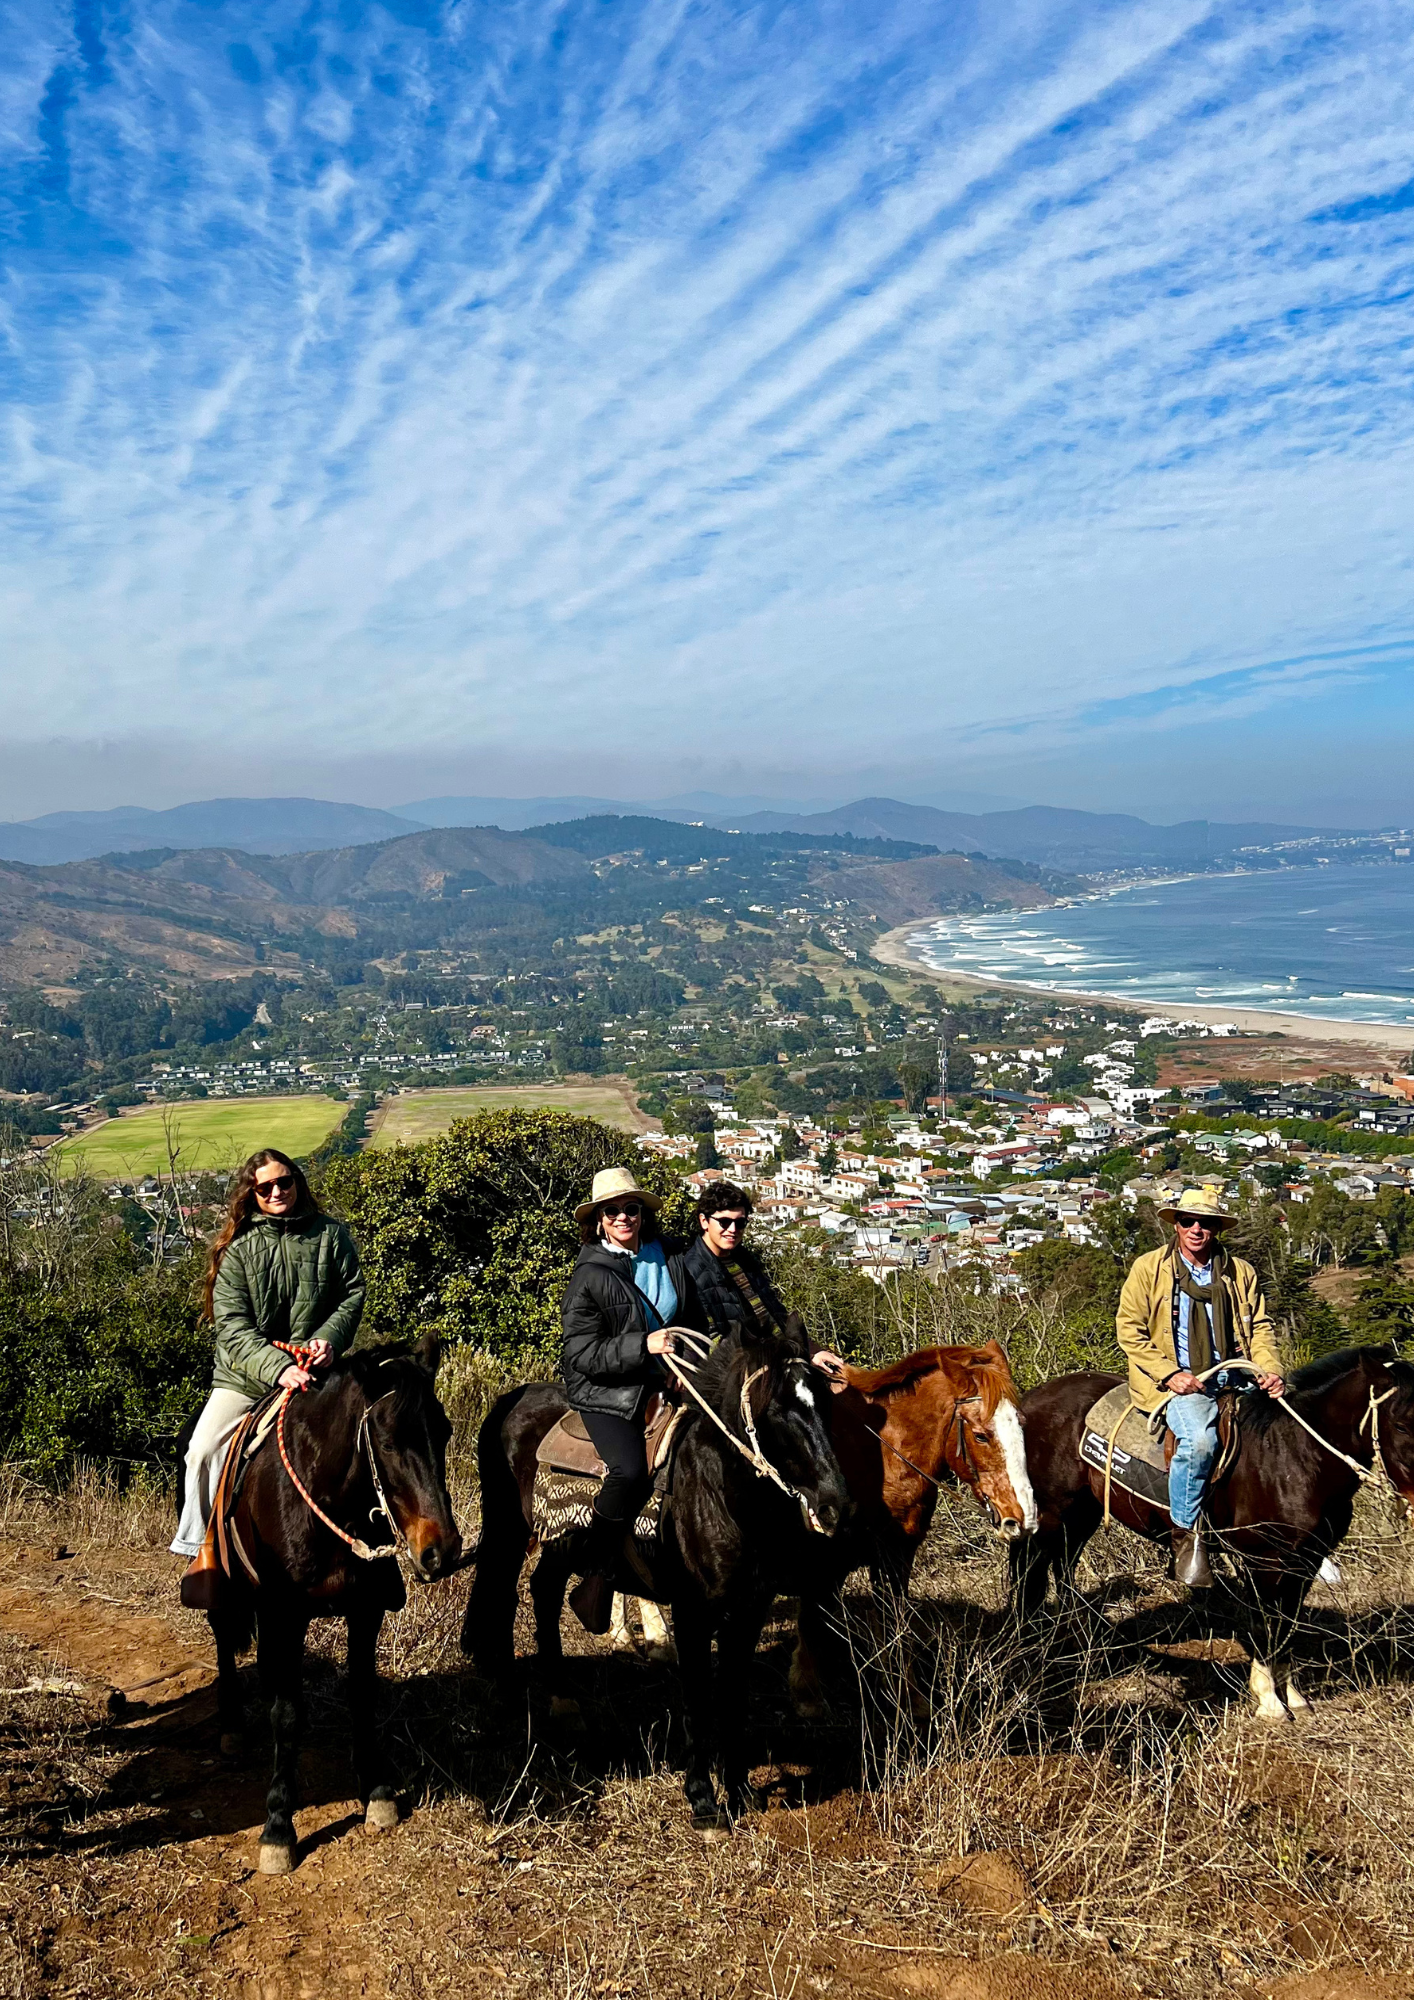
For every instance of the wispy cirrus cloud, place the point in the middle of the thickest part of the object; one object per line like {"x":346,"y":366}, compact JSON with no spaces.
{"x":401,"y":378}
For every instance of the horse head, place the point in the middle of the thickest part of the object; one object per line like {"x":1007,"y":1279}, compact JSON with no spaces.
{"x":985,"y":1446}
{"x":1395,"y":1419}
{"x":769,"y":1386}
{"x":403,"y":1433}
{"x":957,"y":1410}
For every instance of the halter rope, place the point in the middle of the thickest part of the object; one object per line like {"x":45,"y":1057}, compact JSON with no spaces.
{"x":364,"y":1444}
{"x":752,"y":1453}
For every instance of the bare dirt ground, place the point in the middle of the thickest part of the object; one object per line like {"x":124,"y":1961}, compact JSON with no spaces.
{"x":1097,"y":1820}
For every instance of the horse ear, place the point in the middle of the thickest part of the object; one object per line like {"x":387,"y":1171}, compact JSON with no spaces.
{"x":795,"y":1336}
{"x":428,"y":1352}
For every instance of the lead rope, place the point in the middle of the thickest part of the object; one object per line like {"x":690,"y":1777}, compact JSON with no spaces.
{"x":360,"y":1548}
{"x":753,"y":1454}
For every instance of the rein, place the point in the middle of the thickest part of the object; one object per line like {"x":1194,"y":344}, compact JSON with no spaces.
{"x":752,"y":1453}
{"x":362,"y":1444}
{"x":1372,"y":1472}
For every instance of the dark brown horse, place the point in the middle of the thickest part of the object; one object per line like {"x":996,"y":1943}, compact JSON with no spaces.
{"x":730,"y":1542}
{"x":1278,"y":1512}
{"x":371,"y":1422}
{"x":946,"y":1415}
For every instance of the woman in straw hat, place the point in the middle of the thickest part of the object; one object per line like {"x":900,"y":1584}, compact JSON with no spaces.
{"x":624,"y":1296}
{"x":1183,"y":1310}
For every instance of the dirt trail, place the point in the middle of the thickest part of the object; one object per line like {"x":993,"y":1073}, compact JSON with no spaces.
{"x":137,"y":1843}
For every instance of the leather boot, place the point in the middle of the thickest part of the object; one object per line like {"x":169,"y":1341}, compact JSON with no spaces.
{"x":592,"y":1599}
{"x":204,"y":1581}
{"x":1190,"y":1559}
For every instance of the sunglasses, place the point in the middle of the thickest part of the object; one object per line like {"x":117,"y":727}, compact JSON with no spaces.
{"x":281,"y":1184}
{"x":629,"y":1208}
{"x":728,"y":1221}
{"x":1196,"y":1222}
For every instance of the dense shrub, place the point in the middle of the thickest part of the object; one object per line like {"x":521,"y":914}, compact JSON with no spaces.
{"x":107,"y":1364}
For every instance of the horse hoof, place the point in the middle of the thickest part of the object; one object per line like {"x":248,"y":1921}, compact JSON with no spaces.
{"x":808,"y":1708}
{"x":715,"y":1833}
{"x":1274,"y":1711}
{"x":662,"y":1656}
{"x":381,"y":1814}
{"x":232,"y":1745}
{"x":275,"y":1858}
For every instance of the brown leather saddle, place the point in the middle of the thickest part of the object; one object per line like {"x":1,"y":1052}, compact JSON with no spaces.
{"x":568,"y":1447}
{"x":1120,"y":1445}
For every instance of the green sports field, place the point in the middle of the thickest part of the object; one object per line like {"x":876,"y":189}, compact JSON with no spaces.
{"x":213,"y":1135}
{"x":424,"y":1112}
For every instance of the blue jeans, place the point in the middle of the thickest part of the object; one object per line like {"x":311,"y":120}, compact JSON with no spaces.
{"x":1194,"y":1422}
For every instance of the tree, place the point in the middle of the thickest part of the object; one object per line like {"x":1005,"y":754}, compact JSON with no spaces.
{"x":829,"y":1159}
{"x":1383,"y":1307}
{"x":707,"y":1154}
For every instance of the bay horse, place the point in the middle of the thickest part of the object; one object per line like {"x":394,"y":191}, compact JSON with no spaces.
{"x":731,"y":1539}
{"x":1279,"y":1511}
{"x":370,"y":1432}
{"x":945,"y":1415}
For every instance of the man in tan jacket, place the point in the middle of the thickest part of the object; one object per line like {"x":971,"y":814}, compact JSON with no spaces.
{"x":1184,"y":1310}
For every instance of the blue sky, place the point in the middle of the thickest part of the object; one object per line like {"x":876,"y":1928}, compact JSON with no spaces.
{"x":625,"y":397}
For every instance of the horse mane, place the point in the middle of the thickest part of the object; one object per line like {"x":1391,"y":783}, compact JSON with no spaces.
{"x":985,"y":1377}
{"x":720,"y":1376}
{"x":1317,"y":1377}
{"x":367,"y":1365}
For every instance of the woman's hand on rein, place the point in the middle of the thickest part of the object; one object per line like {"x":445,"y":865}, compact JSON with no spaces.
{"x":318,"y":1354}
{"x":662,"y":1342}
{"x":295,"y":1378}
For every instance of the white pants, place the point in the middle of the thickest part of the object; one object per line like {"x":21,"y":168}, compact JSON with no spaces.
{"x":206,"y":1454}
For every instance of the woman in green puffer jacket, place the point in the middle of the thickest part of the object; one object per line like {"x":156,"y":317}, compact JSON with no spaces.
{"x":280,"y":1269}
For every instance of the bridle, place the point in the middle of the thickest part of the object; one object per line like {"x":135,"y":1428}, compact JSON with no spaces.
{"x":363,"y":1444}
{"x":751,"y":1452}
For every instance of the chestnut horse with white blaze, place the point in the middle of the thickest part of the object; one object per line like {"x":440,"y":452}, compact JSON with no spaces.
{"x":945,"y":1415}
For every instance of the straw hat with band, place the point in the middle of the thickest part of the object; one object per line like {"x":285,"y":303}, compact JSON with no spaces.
{"x":612,"y":1182}
{"x":1201,"y":1202}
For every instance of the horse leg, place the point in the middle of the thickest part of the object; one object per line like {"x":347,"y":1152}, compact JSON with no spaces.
{"x":1270,"y":1638}
{"x":280,"y":1662}
{"x":230,"y":1634}
{"x":488,"y":1634}
{"x":620,"y":1631}
{"x":657,"y":1639}
{"x":692,"y":1624}
{"x":547,"y":1596}
{"x":817,"y":1628}
{"x":372,"y":1772}
{"x":737,"y":1640}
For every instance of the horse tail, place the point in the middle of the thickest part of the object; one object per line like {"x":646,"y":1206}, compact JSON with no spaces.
{"x":488,"y":1629}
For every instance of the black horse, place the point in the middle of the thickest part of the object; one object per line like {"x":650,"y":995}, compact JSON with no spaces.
{"x":1279,"y":1511}
{"x":371,"y":1420}
{"x":732,"y":1539}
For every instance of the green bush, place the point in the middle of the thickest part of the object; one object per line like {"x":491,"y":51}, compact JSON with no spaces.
{"x":107,"y":1365}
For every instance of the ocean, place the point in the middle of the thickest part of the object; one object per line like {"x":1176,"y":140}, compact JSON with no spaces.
{"x":1336,"y":943}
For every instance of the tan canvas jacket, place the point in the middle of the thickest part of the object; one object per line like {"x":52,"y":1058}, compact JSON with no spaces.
{"x":1144,"y":1323}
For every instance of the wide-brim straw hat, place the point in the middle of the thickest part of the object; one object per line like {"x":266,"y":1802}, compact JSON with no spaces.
{"x":1204,"y":1201}
{"x":611,"y":1181}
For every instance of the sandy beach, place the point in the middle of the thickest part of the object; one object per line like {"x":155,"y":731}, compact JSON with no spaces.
{"x":1376,"y":1036}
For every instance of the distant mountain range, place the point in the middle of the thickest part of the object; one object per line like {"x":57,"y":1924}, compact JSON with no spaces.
{"x":1055,"y":837}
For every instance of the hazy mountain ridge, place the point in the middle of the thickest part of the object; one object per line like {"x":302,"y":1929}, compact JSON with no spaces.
{"x":257,"y":826}
{"x":1054,"y":836}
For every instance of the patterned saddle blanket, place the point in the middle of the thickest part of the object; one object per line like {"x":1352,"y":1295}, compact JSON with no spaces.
{"x":1138,"y":1459}
{"x":568,"y":1473}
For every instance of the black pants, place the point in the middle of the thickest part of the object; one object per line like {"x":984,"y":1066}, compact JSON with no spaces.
{"x":619,"y":1442}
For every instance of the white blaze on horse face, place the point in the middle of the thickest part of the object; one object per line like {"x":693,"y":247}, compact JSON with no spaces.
{"x":803,"y":1394}
{"x":1006,"y":1422}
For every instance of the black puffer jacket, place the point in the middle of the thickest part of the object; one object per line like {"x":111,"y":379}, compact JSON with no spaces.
{"x":721,"y":1298}
{"x":606,"y":1322}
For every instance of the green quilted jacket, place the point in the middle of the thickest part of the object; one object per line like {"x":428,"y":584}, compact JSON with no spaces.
{"x":288,"y":1280}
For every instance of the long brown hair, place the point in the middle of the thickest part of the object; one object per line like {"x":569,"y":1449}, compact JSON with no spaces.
{"x":241,"y":1208}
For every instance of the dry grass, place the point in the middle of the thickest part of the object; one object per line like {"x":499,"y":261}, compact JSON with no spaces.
{"x":1099,"y":1801}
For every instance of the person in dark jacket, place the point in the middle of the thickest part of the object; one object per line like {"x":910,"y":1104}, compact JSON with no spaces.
{"x":732,"y":1287}
{"x":624,"y":1296}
